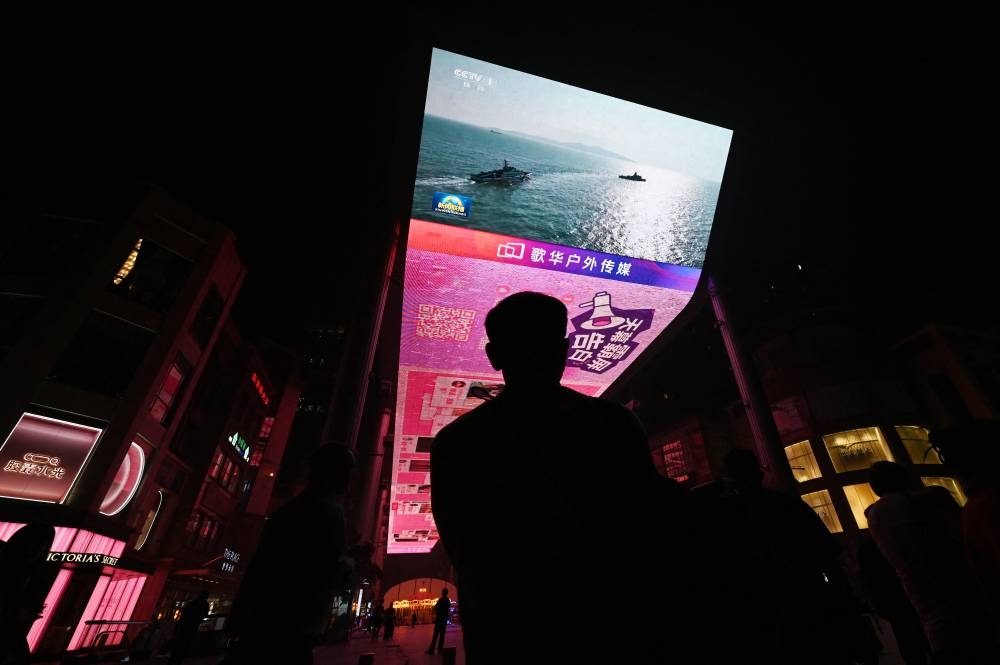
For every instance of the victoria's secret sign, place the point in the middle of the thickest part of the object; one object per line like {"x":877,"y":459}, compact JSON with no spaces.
{"x":42,"y":458}
{"x":79,"y":557}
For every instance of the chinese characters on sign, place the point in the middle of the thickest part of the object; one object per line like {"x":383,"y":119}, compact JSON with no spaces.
{"x":259,"y":385}
{"x":605,"y":336}
{"x":34,"y":464}
{"x":241,"y":445}
{"x":229,"y":560}
{"x":583,"y":263}
{"x":42,"y":457}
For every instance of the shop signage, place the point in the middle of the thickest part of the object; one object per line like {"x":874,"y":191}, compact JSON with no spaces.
{"x":78,"y":557}
{"x":42,"y":458}
{"x":229,"y":560}
{"x":259,"y":385}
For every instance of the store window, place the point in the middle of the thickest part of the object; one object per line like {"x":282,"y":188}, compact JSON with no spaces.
{"x":860,"y":497}
{"x":949,"y":484}
{"x":823,"y":505}
{"x":803,"y":462}
{"x":168,"y":396}
{"x":918,"y":445}
{"x":857,"y":449}
{"x":225,"y":471}
{"x":154,"y":506}
{"x":113,"y":599}
{"x":216,"y":469}
{"x":202,"y":531}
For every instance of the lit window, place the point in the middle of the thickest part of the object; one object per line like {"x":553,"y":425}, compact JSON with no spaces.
{"x":128,"y":264}
{"x":918,"y":445}
{"x":857,"y":449}
{"x":823,"y":505}
{"x":151,"y":516}
{"x":170,"y":390}
{"x":227,"y":471}
{"x":860,"y":497}
{"x":949,"y":484}
{"x":674,"y":462}
{"x":233,"y":480}
{"x":803,"y":462}
{"x":217,"y":465}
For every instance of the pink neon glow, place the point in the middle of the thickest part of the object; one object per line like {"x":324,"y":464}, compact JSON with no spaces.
{"x":64,"y":539}
{"x":7,"y":529}
{"x":114,"y":599}
{"x":89,"y":611}
{"x":126,"y":481}
{"x":452,"y":280}
{"x":119,"y":601}
{"x":42,"y":458}
{"x":51,"y":601}
{"x":69,"y":539}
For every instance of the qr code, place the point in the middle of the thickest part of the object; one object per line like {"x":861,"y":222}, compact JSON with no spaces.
{"x":438,"y":322}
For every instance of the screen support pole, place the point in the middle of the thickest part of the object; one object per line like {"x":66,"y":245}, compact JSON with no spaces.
{"x":767,"y":442}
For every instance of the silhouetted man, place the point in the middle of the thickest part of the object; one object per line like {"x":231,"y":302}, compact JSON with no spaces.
{"x":192,"y":615}
{"x":442,"y":608}
{"x":790,"y":589}
{"x":23,"y":587}
{"x":918,"y":530}
{"x":283,"y":605}
{"x":541,"y":488}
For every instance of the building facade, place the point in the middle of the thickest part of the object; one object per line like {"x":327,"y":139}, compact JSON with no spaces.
{"x":113,"y":300}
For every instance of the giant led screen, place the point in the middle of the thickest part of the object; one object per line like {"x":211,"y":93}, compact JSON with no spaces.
{"x":529,"y":184}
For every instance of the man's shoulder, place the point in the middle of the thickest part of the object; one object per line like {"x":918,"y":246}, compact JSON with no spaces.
{"x":484,"y":417}
{"x":600,"y":411}
{"x":306,"y":507}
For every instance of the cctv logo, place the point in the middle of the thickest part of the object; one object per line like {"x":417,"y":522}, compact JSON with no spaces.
{"x":472,"y":76}
{"x":510,"y":250}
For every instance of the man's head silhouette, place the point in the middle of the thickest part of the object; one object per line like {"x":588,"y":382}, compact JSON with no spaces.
{"x":527,"y":333}
{"x":743,"y":469}
{"x":330,"y":469}
{"x":889,"y":477}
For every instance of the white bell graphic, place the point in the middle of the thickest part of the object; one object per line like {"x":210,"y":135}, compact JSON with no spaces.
{"x":602,"y":317}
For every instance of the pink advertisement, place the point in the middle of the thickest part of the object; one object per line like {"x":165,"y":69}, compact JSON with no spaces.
{"x":454,"y":276}
{"x":42,"y":458}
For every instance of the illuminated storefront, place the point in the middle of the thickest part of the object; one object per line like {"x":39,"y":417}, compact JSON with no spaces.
{"x":87,"y":568}
{"x":837,"y":464}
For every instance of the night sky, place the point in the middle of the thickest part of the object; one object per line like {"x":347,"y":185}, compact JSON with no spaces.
{"x":864,"y":146}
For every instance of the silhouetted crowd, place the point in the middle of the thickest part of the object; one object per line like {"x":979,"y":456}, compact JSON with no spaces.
{"x":731,"y":572}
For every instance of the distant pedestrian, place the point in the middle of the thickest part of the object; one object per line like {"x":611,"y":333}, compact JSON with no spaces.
{"x":192,"y":615}
{"x":389,"y":622}
{"x":375,"y":620}
{"x":148,"y":642}
{"x":413,"y":619}
{"x":442,"y":609}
